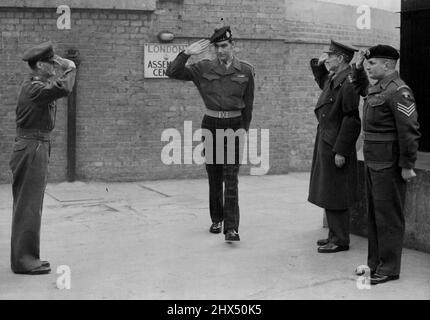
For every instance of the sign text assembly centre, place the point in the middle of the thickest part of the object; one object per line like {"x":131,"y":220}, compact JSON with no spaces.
{"x":157,"y":57}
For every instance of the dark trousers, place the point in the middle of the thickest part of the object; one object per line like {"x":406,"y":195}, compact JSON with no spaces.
{"x":386,"y":192}
{"x":29,"y":165}
{"x":223,"y":177}
{"x":338,"y":224}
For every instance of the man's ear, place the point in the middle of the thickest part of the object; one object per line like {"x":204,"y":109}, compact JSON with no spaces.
{"x":386,"y":65}
{"x":39,"y":64}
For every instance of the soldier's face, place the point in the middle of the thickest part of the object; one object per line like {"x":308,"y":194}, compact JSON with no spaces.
{"x":46,"y":69}
{"x":332,"y":63}
{"x":376,"y":68}
{"x":224,"y":50}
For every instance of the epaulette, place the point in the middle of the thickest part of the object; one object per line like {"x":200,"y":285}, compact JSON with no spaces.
{"x":399,"y":82}
{"x":404,"y":86}
{"x":249,"y":65}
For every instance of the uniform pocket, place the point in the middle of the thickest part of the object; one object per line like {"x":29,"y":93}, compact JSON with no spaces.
{"x":329,"y":136}
{"x":238,"y":85}
{"x":375,"y":102}
{"x":18,"y":153}
{"x":210,"y":76}
{"x":210,"y":83}
{"x":379,"y":155}
{"x":20,"y":145}
{"x":240,"y":80}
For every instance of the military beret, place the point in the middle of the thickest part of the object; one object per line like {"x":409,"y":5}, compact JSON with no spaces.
{"x":341,"y":48}
{"x":41,"y":52}
{"x":221,"y":34}
{"x":382,"y":51}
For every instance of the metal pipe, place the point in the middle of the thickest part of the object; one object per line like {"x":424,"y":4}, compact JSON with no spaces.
{"x":73,"y":55}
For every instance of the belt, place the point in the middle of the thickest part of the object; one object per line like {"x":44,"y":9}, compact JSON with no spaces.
{"x":223,"y":114}
{"x":379,"y":136}
{"x":36,"y":134}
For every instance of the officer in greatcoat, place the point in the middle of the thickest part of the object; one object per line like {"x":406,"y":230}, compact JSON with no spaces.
{"x":35,"y":119}
{"x":226,"y":85}
{"x":334,"y":175}
{"x":390,"y":124}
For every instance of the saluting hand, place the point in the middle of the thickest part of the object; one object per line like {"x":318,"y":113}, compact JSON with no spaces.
{"x":197,"y":47}
{"x":322,"y":59}
{"x":408,"y":174}
{"x":339,"y":160}
{"x":64,"y":63}
{"x":361,"y":56}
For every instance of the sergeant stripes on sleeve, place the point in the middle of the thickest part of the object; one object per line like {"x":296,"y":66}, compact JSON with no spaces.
{"x":408,"y":111}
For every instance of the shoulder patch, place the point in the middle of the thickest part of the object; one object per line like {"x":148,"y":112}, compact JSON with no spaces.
{"x":406,"y":95}
{"x":406,"y":92}
{"x":403,"y":87}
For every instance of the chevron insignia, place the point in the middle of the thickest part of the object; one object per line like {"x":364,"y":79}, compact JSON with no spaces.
{"x":406,"y":110}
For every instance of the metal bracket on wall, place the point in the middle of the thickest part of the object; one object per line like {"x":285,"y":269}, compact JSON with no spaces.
{"x":74,"y":55}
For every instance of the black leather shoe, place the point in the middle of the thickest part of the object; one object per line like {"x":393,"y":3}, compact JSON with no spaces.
{"x":232,"y":235}
{"x":216,"y":227}
{"x":45,"y":264}
{"x":332,"y":248}
{"x":379,"y":278}
{"x":322,"y":242}
{"x":37,"y":271}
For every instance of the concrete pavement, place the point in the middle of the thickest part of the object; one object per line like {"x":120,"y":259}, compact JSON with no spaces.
{"x":150,"y":240}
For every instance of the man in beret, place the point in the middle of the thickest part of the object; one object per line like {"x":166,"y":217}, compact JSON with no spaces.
{"x":226,"y":85}
{"x":390,"y":150}
{"x":334,"y":174}
{"x":51,"y":78}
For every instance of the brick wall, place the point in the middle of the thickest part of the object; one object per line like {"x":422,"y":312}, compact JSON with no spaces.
{"x":121,"y":115}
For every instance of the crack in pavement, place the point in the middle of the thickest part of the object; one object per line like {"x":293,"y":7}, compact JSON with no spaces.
{"x":320,"y":283}
{"x":77,"y":200}
{"x":153,"y":190}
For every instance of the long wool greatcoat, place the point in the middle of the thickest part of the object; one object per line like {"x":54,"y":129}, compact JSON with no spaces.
{"x":338,"y":130}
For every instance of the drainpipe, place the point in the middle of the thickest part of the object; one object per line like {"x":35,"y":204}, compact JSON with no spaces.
{"x":73,"y":55}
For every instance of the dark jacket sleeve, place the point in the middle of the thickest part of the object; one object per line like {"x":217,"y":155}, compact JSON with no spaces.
{"x":45,"y":92}
{"x":320,"y":73}
{"x":351,"y":125}
{"x":249,"y":102}
{"x":178,"y":70}
{"x":404,"y":109}
{"x":360,"y":80}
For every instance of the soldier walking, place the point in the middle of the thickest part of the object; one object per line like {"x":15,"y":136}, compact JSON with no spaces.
{"x":226,"y":85}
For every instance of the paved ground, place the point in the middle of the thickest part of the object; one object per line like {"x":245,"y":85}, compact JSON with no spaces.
{"x":150,"y":240}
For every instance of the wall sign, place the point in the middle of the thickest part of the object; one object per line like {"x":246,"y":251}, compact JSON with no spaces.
{"x":157,"y":57}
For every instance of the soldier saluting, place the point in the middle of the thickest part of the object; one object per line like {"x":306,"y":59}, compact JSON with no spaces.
{"x":35,"y":119}
{"x":390,"y":150}
{"x":333,"y":181}
{"x":226,"y":85}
